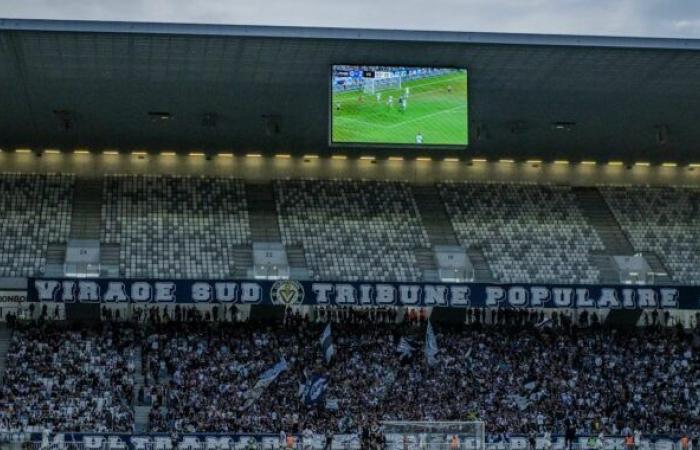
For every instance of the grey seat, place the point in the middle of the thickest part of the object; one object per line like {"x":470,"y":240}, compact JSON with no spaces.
{"x":36,"y":210}
{"x":528,"y":232}
{"x":175,"y":226}
{"x":352,"y":230}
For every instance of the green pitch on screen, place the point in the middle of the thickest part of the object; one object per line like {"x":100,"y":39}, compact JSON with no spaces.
{"x":436,"y":109}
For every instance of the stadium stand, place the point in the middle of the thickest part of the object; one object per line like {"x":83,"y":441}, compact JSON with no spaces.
{"x":663,"y":220}
{"x":511,"y":374}
{"x":259,"y":248}
{"x":36,"y":211}
{"x":68,"y":379}
{"x":528,"y":232}
{"x":172,"y":226}
{"x":370,"y":380}
{"x":191,"y":227}
{"x":352,"y":230}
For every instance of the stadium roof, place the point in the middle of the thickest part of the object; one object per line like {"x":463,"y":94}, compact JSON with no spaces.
{"x":70,"y":84}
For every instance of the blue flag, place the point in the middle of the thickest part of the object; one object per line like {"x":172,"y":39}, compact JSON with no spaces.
{"x":314,"y":390}
{"x":271,"y":374}
{"x":265,"y":379}
{"x":431,"y":346}
{"x":327,"y":343}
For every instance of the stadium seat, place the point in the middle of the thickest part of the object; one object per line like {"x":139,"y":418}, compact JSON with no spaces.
{"x":36,"y":211}
{"x":529,"y":233}
{"x":175,"y":227}
{"x":352,"y":230}
{"x":664,"y":220}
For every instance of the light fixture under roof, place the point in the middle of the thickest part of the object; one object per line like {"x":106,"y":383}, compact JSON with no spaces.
{"x":162,"y":116}
{"x":563,"y":125}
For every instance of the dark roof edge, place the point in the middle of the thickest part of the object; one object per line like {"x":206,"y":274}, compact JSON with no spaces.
{"x":81,"y":26}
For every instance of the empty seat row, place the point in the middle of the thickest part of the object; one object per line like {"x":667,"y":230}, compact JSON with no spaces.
{"x":36,"y":210}
{"x":352,"y":230}
{"x":174,"y":226}
{"x":528,"y":232}
{"x":191,"y":227}
{"x":664,"y":220}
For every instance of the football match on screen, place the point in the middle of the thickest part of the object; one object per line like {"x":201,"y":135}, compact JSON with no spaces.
{"x":399,"y":105}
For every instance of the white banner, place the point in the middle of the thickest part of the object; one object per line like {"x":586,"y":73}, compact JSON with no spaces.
{"x":13,"y":296}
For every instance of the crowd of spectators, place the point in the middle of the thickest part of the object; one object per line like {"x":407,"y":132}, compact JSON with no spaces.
{"x":516,"y":377}
{"x":74,"y":379}
{"x":524,"y":374}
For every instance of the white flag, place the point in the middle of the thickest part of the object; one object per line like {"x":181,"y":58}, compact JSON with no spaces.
{"x":327,"y":344}
{"x":405,"y":348}
{"x":431,"y":346}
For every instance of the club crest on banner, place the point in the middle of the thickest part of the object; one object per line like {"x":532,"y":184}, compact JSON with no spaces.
{"x":287,"y":292}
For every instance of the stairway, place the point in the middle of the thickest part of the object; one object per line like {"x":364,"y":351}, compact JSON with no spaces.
{"x":56,"y":253}
{"x":598,"y":214}
{"x":658,"y":266}
{"x":296,"y":257}
{"x":434,"y":216}
{"x":55,"y":259}
{"x":5,"y":336}
{"x":425,"y":260}
{"x":141,"y":414}
{"x":109,"y":260}
{"x":482,"y":270}
{"x":86,"y":217}
{"x":262,"y":212}
{"x":139,"y":381}
{"x":242,"y":260}
{"x":608,"y":270}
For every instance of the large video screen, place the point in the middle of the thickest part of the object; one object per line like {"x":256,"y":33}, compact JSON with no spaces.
{"x":391,"y":105}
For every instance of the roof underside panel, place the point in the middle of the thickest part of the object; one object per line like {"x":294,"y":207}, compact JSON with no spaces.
{"x":95,"y":89}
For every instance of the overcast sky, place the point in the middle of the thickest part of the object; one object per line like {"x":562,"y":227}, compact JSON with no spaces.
{"x":666,"y":18}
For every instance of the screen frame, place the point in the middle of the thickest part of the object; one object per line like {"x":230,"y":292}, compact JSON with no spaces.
{"x":383,"y":145}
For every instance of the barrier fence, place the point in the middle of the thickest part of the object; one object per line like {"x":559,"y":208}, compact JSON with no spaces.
{"x":83,"y":441}
{"x":31,"y":445}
